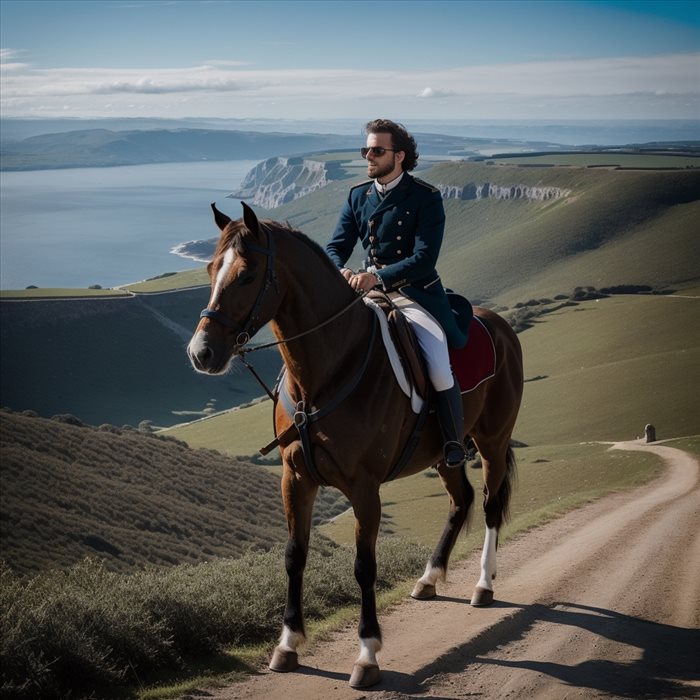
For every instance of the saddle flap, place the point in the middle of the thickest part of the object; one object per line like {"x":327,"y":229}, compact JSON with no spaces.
{"x":409,"y":351}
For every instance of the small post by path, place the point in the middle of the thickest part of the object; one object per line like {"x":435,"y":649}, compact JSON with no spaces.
{"x":650,"y":432}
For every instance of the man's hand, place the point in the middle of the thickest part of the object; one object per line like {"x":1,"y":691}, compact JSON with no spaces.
{"x":363,"y":281}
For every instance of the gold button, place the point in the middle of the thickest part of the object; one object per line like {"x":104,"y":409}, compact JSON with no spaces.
{"x":400,"y":223}
{"x":398,"y":238}
{"x":398,"y":252}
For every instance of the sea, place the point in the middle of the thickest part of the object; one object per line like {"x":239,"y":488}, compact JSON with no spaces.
{"x":80,"y":227}
{"x":113,"y":226}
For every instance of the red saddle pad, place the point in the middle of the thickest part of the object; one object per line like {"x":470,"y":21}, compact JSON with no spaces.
{"x":476,"y":361}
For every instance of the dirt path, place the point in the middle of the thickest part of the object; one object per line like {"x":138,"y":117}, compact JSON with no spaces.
{"x":603,"y":602}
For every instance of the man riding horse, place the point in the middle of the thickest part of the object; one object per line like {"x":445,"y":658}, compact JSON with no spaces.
{"x":400,"y":221}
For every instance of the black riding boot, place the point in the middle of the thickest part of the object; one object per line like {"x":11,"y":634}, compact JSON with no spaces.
{"x":451,"y":416}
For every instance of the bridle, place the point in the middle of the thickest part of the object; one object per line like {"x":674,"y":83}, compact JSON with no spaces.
{"x":252,"y":322}
{"x":251,"y":325}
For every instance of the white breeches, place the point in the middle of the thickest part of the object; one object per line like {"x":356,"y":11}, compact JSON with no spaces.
{"x":432,"y":341}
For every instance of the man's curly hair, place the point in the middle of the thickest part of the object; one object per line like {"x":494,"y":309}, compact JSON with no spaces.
{"x":401,"y":140}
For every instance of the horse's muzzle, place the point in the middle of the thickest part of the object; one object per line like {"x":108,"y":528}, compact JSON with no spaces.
{"x":204,"y":357}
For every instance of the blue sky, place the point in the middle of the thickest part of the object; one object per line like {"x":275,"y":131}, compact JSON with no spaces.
{"x":337,"y":59}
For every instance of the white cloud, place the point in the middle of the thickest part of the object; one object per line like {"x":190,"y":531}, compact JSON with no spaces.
{"x":430,"y":93}
{"x":9,"y":62}
{"x":9,"y":54}
{"x":634,"y":87}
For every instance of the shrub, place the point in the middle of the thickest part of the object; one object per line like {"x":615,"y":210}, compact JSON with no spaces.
{"x":86,"y":628}
{"x":69,"y":419}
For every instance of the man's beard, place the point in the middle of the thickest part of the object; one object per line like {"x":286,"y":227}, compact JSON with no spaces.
{"x":380,"y":171}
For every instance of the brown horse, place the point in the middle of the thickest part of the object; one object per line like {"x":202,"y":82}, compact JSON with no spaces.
{"x":266,"y":272}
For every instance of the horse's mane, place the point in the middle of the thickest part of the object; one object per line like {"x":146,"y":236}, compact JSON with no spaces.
{"x":234,"y":236}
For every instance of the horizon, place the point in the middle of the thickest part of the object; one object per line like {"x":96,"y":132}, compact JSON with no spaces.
{"x":413,"y":61}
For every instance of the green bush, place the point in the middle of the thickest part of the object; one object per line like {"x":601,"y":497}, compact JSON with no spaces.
{"x":88,"y":627}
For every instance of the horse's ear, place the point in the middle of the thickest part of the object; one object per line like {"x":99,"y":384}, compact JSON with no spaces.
{"x":250,"y":220}
{"x":222,"y":221}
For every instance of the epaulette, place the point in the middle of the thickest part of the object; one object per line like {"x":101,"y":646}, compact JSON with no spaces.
{"x":362,"y":184}
{"x":432,"y":188}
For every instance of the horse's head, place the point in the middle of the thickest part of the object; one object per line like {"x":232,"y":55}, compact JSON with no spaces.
{"x":243,"y":292}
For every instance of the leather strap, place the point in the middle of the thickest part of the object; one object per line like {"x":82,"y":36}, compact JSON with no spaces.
{"x":303,"y":417}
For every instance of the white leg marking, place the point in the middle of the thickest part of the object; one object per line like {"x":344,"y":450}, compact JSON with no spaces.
{"x":488,"y":559}
{"x":289,"y":641}
{"x":368,"y":651}
{"x":432,"y":575}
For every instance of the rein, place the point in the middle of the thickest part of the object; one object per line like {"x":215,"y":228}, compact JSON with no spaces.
{"x":243,"y":350}
{"x":272,"y":344}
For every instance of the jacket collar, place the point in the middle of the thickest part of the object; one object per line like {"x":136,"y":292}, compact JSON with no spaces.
{"x":392,"y":198}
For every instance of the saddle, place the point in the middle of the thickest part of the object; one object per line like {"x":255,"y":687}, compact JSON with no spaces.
{"x":409,"y":368}
{"x":405,"y":342}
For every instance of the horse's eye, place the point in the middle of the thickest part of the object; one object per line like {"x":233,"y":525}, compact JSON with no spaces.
{"x":247,"y":279}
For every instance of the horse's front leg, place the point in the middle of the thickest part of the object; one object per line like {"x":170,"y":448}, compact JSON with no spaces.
{"x":367,"y":507}
{"x":298,"y":495}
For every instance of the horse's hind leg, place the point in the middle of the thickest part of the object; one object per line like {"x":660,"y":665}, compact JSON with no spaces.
{"x":298,"y":496}
{"x":461,"y":498}
{"x":499,"y":472}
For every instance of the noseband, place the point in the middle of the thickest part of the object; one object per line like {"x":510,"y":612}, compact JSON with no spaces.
{"x":251,"y":325}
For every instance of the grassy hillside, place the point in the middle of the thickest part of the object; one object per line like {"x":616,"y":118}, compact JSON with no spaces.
{"x":102,"y":147}
{"x":115,"y":360}
{"x":615,"y":227}
{"x":604,"y":369}
{"x":134,"y":499}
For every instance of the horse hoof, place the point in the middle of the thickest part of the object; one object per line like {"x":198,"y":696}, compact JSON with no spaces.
{"x":284,"y":661}
{"x":364,"y":676}
{"x":423,"y":591}
{"x":482,"y":597}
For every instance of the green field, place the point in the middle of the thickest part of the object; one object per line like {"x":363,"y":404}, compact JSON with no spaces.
{"x":240,"y":431}
{"x":180,"y":280}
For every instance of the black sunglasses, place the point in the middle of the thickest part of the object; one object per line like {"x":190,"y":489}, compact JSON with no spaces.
{"x":376,"y":151}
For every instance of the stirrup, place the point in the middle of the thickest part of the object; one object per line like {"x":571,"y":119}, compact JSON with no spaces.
{"x":454,"y":450}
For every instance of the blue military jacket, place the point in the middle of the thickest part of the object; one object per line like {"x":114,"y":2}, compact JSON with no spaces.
{"x":402,"y":234}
